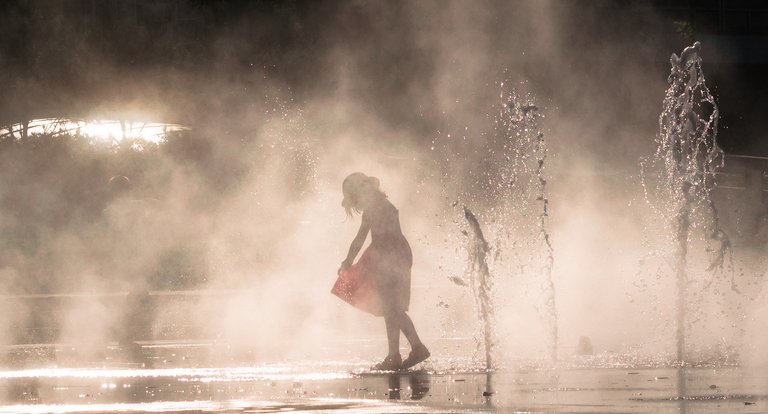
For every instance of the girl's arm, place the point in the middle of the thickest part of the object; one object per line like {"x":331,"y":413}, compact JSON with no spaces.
{"x":357,"y":243}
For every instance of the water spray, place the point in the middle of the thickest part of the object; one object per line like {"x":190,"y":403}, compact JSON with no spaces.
{"x":518,"y":123}
{"x":688,"y":158}
{"x":482,"y":284}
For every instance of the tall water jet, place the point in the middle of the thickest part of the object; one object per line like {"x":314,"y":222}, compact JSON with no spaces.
{"x":686,"y":161}
{"x":482,"y":284}
{"x":507,"y":192}
{"x":525,"y":150}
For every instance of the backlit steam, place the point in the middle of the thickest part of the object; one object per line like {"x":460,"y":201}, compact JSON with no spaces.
{"x":227,"y":234}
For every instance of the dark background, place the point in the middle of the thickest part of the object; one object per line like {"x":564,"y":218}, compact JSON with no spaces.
{"x":80,"y":57}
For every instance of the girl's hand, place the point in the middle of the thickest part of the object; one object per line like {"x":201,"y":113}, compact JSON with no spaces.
{"x":344,"y":266}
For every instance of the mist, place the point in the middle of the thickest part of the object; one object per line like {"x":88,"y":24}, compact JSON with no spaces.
{"x":232,"y":233}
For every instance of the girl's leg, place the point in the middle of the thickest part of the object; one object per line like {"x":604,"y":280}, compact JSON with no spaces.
{"x":392,"y":321}
{"x":393,"y":361}
{"x":419,"y":352}
{"x":406,"y":325}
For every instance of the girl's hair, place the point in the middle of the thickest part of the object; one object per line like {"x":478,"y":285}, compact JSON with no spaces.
{"x":355,"y":187}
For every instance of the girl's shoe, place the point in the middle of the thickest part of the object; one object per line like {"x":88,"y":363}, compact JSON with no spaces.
{"x":390,"y":363}
{"x":418,"y":354}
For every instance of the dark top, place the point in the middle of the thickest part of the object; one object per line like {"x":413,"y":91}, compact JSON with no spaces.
{"x":384,"y":221}
{"x":389,"y":257}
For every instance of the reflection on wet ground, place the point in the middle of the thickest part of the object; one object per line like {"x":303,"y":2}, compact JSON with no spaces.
{"x":334,"y":386}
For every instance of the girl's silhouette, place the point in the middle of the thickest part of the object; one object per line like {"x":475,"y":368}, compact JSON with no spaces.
{"x":380,"y":282}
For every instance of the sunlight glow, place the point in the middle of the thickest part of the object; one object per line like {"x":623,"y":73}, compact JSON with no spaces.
{"x":106,"y":131}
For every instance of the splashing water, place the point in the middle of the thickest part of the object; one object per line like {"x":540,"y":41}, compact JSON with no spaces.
{"x":686,"y":161}
{"x":482,"y":284}
{"x":507,"y":193}
{"x":518,"y":121}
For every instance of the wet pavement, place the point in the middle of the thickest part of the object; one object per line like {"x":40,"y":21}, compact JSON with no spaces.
{"x":348,"y":386}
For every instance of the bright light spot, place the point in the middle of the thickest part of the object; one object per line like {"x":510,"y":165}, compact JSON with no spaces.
{"x":107,"y":131}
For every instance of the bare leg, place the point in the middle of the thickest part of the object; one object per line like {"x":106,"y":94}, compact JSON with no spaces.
{"x":393,"y":361}
{"x":392,"y":322}
{"x":419,"y":352}
{"x":406,"y":325}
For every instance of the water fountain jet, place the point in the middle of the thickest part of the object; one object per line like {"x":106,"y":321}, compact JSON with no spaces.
{"x":687,"y":157}
{"x":482,"y":284}
{"x":519,"y":119}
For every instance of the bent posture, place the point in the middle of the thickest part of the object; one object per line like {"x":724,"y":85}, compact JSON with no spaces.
{"x":387,"y":262}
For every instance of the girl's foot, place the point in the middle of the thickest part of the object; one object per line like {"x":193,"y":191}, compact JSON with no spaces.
{"x":390,"y":363}
{"x":418,"y":354}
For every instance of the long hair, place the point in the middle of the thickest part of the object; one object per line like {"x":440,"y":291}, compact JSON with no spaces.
{"x":355,"y":188}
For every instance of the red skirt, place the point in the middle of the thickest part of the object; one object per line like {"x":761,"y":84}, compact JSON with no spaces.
{"x":380,"y":280}
{"x":356,"y":286}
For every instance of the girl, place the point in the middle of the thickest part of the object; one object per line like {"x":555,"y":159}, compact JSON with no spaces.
{"x":386,"y":263}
